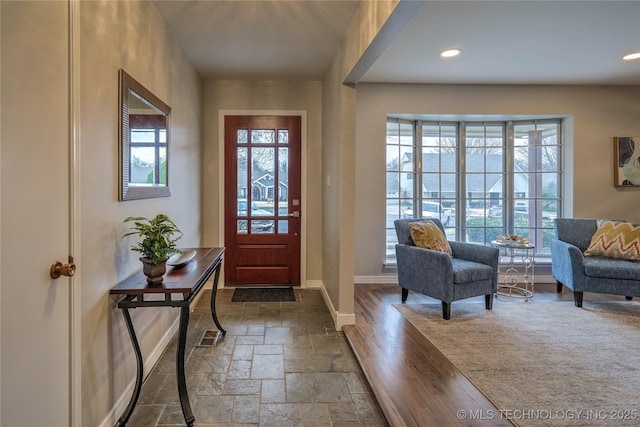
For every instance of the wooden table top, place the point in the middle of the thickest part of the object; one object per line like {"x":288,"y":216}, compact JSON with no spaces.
{"x":184,"y":279}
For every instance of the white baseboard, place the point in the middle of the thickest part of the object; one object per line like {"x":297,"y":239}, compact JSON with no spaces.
{"x":313,"y":284}
{"x":393,"y":279}
{"x":376,"y":280}
{"x":342,"y":319}
{"x":339,"y":319}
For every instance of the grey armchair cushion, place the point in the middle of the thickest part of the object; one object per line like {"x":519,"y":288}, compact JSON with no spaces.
{"x":611,"y":268}
{"x":469,"y":271}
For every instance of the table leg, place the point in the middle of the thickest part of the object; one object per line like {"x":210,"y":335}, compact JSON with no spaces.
{"x":136,"y":390}
{"x":182,"y":381}
{"x":181,"y":377}
{"x":214,"y":291}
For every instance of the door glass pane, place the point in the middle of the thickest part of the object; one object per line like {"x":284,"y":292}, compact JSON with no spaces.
{"x":242,"y":174}
{"x":283,"y":226}
{"x":242,"y":136}
{"x":282,"y":191}
{"x":262,"y":226}
{"x":283,"y":136}
{"x":242,"y":209}
{"x":242,"y":227}
{"x":263,"y":136}
{"x":263,"y":178}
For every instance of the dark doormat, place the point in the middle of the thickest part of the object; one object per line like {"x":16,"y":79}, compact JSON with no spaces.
{"x":263,"y":294}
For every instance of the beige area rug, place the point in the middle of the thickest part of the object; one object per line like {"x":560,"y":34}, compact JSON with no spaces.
{"x":543,"y":363}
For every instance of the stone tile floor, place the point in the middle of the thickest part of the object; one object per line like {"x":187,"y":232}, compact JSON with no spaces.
{"x":280,"y":364}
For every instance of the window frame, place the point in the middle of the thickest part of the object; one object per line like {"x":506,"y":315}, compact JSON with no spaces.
{"x":538,"y":225}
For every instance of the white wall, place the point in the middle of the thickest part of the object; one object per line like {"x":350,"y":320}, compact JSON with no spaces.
{"x":339,"y":157}
{"x":129,"y":35}
{"x":597,"y":113}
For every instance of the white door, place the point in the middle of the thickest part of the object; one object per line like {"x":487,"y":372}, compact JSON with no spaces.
{"x":35,"y":215}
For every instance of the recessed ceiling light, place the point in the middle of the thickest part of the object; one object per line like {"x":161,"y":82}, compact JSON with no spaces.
{"x":631,"y":56}
{"x":450,"y":53}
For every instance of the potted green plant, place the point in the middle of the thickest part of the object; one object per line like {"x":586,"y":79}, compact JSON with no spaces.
{"x":158,"y":242}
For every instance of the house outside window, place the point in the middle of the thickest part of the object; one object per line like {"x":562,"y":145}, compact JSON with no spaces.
{"x":481,"y":179}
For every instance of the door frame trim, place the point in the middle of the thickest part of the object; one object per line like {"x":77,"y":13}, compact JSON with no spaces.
{"x":303,"y":178}
{"x":75,"y":294}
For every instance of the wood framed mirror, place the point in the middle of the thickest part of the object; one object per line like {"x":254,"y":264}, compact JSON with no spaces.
{"x":144,"y":124}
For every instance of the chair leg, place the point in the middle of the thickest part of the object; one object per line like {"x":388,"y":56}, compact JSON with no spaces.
{"x":558,"y":287}
{"x":488,"y":301}
{"x":405,"y":294}
{"x":446,"y":310}
{"x":628,"y":298}
{"x":577,"y":298}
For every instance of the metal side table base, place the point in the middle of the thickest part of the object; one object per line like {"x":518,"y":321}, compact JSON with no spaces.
{"x":180,"y":373}
{"x":140,"y":369}
{"x":185,"y":283}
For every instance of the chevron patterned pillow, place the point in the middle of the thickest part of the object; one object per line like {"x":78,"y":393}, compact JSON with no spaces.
{"x":615,"y":239}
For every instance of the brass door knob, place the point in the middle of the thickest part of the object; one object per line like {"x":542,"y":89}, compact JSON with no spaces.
{"x":59,"y":269}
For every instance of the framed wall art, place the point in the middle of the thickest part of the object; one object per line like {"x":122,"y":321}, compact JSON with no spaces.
{"x":626,"y":155}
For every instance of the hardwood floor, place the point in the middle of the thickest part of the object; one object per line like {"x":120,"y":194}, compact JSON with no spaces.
{"x":415,"y":385}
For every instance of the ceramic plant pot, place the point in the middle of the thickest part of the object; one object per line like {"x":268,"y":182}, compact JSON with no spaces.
{"x":154,"y":272}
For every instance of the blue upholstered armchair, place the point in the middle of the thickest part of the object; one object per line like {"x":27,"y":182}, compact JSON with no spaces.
{"x":470,"y":272}
{"x":582,"y":273}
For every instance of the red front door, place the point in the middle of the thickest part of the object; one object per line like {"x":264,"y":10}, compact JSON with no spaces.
{"x":262,"y":199}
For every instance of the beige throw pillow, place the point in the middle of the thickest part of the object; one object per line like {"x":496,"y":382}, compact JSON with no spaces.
{"x":615,"y":239}
{"x":426,"y":234}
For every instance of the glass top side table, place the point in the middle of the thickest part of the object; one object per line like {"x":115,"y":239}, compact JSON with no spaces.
{"x":518,"y":278}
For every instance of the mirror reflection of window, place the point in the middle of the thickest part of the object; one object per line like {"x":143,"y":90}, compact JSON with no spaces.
{"x":147,"y":142}
{"x":144,"y":141}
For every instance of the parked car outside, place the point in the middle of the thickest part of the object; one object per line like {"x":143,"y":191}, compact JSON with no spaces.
{"x":256,"y":211}
{"x":520,"y":210}
{"x":431,"y":210}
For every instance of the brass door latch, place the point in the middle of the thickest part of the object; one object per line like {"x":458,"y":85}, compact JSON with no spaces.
{"x":59,"y":269}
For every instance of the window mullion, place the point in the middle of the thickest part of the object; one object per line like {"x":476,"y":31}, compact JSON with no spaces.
{"x":509,"y":179}
{"x":461,"y":214}
{"x":417,"y":191}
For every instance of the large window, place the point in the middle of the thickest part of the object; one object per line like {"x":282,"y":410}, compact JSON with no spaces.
{"x":481,"y":179}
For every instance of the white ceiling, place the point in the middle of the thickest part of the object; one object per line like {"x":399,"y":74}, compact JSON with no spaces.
{"x":505,"y":42}
{"x":259,"y":40}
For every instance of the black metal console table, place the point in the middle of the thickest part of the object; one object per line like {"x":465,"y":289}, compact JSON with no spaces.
{"x":187,"y":281}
